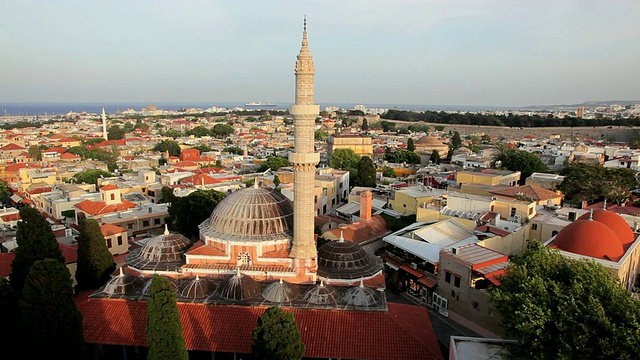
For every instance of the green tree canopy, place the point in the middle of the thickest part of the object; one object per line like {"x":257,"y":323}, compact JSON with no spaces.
{"x":559,"y":308}
{"x":116,"y":133}
{"x":276,"y":337}
{"x":168,"y":145}
{"x":189,"y":211}
{"x":91,"y":176}
{"x":164,"y":329}
{"x":365,"y":124}
{"x":49,"y":314}
{"x":435,"y":157}
{"x":199,"y":131}
{"x":222,"y":130}
{"x":366,"y":172}
{"x":456,"y":141}
{"x":594,"y":183}
{"x":320,"y":135}
{"x":525,"y":162}
{"x":402,"y":156}
{"x":388,"y":171}
{"x":410,"y":145}
{"x":202,"y":148}
{"x":95,"y":262}
{"x":344,"y":159}
{"x":4,"y":190}
{"x":274,"y":163}
{"x":166,"y":195}
{"x":36,"y":241}
{"x":233,"y":150}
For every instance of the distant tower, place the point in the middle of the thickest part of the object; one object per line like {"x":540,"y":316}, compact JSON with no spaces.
{"x":104,"y":125}
{"x":304,"y":158}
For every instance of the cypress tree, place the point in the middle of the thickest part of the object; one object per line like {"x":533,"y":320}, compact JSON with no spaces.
{"x":456,"y":141}
{"x":435,"y":157}
{"x":95,"y":262}
{"x":366,"y":172}
{"x":49,"y":314}
{"x":365,"y":125}
{"x":164,"y":329}
{"x":36,"y":241}
{"x":277,"y":336}
{"x":410,"y":145}
{"x":9,"y":315}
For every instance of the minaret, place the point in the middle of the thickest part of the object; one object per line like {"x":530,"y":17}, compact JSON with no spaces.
{"x":104,"y":125}
{"x":304,"y":158}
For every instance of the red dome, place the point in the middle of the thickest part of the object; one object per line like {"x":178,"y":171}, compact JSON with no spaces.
{"x":615,"y":222}
{"x":590,"y":238}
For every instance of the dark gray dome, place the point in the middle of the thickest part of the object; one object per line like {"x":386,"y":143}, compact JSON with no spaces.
{"x":252,"y":214}
{"x":195,"y":288}
{"x":361,"y":296}
{"x":123,"y":284}
{"x":280,"y":291}
{"x":346,"y":260}
{"x":239,"y":287}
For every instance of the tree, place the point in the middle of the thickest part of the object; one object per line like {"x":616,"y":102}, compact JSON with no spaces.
{"x":456,"y":141}
{"x":199,"y":131}
{"x":4,"y":191}
{"x":634,"y":143}
{"x":593,"y":183}
{"x":435,"y":157}
{"x":276,"y":336}
{"x":36,"y":241}
{"x":276,"y":181}
{"x":410,"y":145}
{"x":222,"y":130}
{"x":35,"y":152}
{"x":166,"y":195}
{"x":91,"y":176}
{"x":168,"y":145}
{"x":559,"y":308}
{"x":49,"y":314}
{"x":9,"y":314}
{"x":274,"y":163}
{"x":320,"y":135}
{"x":388,"y":171}
{"x":115,"y":133}
{"x":365,"y":125}
{"x":525,"y":162}
{"x":366,"y":172}
{"x":402,"y":156}
{"x":189,"y":211}
{"x":344,"y":159}
{"x":95,"y":262}
{"x":388,"y":126}
{"x":164,"y":329}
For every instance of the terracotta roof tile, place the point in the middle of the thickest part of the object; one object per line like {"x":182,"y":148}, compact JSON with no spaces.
{"x":5,"y":263}
{"x":110,"y":229}
{"x":100,"y":207}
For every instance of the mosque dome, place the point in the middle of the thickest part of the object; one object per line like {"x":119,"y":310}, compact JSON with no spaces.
{"x":361,"y":296}
{"x":322,"y":294}
{"x":196,"y":288}
{"x":280,"y":291}
{"x":428,"y":141}
{"x":146,"y":289}
{"x":239,"y":287}
{"x":251,"y":214}
{"x":615,"y":222}
{"x":346,"y":260}
{"x":123,"y":284}
{"x":163,"y":252}
{"x":590,"y":238}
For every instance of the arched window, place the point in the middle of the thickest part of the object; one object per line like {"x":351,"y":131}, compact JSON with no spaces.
{"x":244,"y":258}
{"x":554,"y":233}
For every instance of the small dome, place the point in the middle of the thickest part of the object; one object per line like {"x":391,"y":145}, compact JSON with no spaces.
{"x":346,"y":260}
{"x":589,"y":238}
{"x":123,"y":284}
{"x":280,"y":291}
{"x":251,"y":214}
{"x":195,"y":288}
{"x":615,"y":222}
{"x":146,"y":290}
{"x":163,"y":252}
{"x":239,"y":287}
{"x":322,"y":294}
{"x":361,"y":296}
{"x":427,"y":140}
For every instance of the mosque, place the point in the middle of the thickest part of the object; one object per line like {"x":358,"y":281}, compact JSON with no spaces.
{"x":258,"y":249}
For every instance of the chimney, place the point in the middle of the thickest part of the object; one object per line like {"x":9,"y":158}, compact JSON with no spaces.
{"x":365,"y":205}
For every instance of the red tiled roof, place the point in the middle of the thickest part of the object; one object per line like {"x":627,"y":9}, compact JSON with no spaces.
{"x":12,"y":146}
{"x":362,"y":231}
{"x":5,"y":263}
{"x":109,"y":187}
{"x":402,"y":332}
{"x":69,"y":156}
{"x":110,"y":229}
{"x":536,"y":193}
{"x":70,"y":253}
{"x":100,"y":207}
{"x":205,"y":250}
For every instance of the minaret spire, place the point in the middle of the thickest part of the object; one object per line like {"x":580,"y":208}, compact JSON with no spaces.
{"x":304,"y":158}
{"x":104,"y":124}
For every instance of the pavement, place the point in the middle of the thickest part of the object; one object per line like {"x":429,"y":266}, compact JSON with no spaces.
{"x":443,"y":327}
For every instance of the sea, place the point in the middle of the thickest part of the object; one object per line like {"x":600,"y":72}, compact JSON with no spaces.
{"x":60,"y":108}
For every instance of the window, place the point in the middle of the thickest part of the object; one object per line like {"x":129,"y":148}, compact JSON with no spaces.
{"x":513,"y":212}
{"x":447,"y":277}
{"x":475,"y":305}
{"x":156,"y":221}
{"x":534,"y":226}
{"x":145,"y":223}
{"x":456,"y":281}
{"x":404,"y":205}
{"x":119,"y":240}
{"x":113,"y":196}
{"x":530,"y":210}
{"x":453,"y":294}
{"x":554,"y":233}
{"x":130,"y":226}
{"x":109,"y":243}
{"x":244,"y":258}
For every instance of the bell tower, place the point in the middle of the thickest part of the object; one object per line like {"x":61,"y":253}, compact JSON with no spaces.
{"x":304,"y":158}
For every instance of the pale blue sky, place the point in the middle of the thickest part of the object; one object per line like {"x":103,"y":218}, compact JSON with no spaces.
{"x":466,"y":52}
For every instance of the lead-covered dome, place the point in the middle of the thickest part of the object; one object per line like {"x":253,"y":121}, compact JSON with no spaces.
{"x":590,"y":238}
{"x":161,"y":253}
{"x":251,"y":214}
{"x":346,"y":260}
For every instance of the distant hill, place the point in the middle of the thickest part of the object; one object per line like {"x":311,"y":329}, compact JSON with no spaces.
{"x":587,"y":104}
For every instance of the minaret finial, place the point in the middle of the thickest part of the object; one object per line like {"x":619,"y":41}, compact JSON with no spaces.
{"x":590,"y":214}
{"x":121,"y":272}
{"x":604,"y":207}
{"x":341,"y":237}
{"x":305,"y":22}
{"x":166,"y":229}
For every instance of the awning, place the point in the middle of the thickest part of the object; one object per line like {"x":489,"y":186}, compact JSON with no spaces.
{"x":427,"y":281}
{"x":391,"y":262}
{"x":493,"y":277}
{"x":15,"y":198}
{"x":412,"y":271}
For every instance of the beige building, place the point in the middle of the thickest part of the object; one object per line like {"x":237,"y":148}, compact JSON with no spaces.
{"x":360,"y":144}
{"x":116,"y":238}
{"x":489,"y":177}
{"x":407,"y":200}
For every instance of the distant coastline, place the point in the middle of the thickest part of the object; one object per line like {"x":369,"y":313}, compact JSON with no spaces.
{"x":36,"y":108}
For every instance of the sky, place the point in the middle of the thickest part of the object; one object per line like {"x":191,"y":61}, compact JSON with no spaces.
{"x":429,"y":52}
